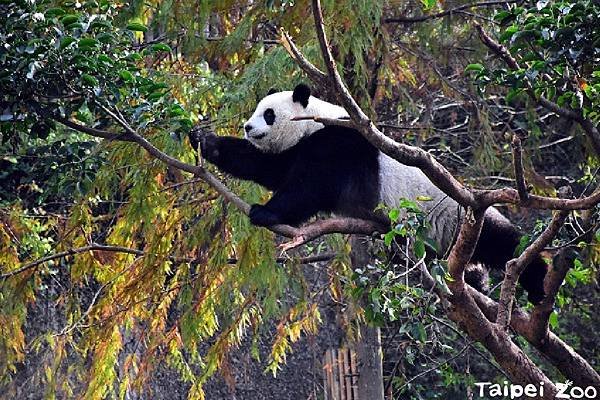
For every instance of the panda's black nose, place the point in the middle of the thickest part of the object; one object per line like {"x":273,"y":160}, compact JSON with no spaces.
{"x":248,"y":128}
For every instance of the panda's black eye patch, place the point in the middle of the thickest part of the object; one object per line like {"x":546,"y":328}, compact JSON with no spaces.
{"x":269,"y":116}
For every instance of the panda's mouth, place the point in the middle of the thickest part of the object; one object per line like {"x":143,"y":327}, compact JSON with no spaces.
{"x":258,"y":136}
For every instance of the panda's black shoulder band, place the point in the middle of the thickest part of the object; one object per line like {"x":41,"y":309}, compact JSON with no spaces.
{"x":301,"y":94}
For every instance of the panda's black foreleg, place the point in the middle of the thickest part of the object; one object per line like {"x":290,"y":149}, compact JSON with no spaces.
{"x":293,"y":204}
{"x":241,"y":159}
{"x":497,"y":243}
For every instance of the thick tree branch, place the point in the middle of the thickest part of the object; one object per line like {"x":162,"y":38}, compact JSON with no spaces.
{"x":463,"y":248}
{"x":588,"y":126}
{"x":516,"y":266}
{"x":540,"y":315}
{"x":561,"y":355}
{"x":421,"y":18}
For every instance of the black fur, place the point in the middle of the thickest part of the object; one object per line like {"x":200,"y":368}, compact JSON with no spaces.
{"x":301,"y":94}
{"x":332,"y":170}
{"x":336,"y":170}
{"x":497,"y":244}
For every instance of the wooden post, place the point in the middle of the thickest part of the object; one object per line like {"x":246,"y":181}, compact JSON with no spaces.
{"x":355,"y":372}
{"x":368,"y":345}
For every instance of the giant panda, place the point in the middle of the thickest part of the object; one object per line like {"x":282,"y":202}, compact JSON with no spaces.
{"x":313,"y":168}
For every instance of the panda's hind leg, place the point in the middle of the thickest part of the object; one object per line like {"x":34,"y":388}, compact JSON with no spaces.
{"x":497,"y":243}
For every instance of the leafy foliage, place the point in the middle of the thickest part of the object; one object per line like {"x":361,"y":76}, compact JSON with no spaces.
{"x":557,"y":45}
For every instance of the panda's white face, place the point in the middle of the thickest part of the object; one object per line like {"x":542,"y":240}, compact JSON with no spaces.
{"x":271,"y":127}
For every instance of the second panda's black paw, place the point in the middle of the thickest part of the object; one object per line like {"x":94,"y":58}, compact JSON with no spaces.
{"x":261,"y":216}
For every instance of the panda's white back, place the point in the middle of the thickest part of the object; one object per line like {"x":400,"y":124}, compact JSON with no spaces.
{"x":397,"y":181}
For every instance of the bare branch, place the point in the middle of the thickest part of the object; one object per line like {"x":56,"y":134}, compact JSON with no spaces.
{"x":517,"y":152}
{"x":516,"y":266}
{"x":462,"y":251}
{"x":556,"y":275}
{"x":318,"y":228}
{"x":421,"y":18}
{"x":315,"y":74}
{"x":561,"y":355}
{"x":121,"y":249}
{"x":70,"y":252}
{"x":328,"y":121}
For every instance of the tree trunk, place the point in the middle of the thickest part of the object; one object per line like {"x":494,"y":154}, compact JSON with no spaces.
{"x":368,"y":346}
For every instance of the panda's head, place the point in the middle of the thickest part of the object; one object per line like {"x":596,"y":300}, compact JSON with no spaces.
{"x":272,"y":127}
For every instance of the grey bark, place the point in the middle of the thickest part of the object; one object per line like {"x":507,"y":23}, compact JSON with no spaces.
{"x":368,"y":346}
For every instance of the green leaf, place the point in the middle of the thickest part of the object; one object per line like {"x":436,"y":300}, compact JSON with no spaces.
{"x":388,"y":237}
{"x":88,"y":42}
{"x":69,"y":19}
{"x":66,"y":41}
{"x":419,"y":332}
{"x":126,"y":75}
{"x":160,"y":47}
{"x":513,"y":94}
{"x":105,"y":37}
{"x":508,"y":33}
{"x":419,"y":249}
{"x":137,"y":27}
{"x":474,"y":67}
{"x":90,"y":80}
{"x":394,"y":214}
{"x":553,"y":320}
{"x":54,"y":12}
{"x":428,"y":4}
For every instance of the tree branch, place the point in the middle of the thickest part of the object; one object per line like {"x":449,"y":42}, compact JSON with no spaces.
{"x":516,"y":266}
{"x":121,"y":249}
{"x":462,"y":251}
{"x":315,"y":74}
{"x":588,"y":126}
{"x":540,"y":315}
{"x":421,"y":18}
{"x":517,"y":152}
{"x":561,"y":355}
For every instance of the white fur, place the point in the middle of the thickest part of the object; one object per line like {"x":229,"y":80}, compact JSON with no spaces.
{"x":285,"y":133}
{"x":399,"y":181}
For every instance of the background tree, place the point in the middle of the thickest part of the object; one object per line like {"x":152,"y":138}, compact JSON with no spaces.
{"x":148,"y":258}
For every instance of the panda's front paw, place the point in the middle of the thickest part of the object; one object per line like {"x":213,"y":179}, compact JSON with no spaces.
{"x":261,"y":216}
{"x":209,"y":145}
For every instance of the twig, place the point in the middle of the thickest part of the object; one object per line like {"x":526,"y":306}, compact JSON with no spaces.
{"x":397,"y":20}
{"x":515,"y":267}
{"x":127,"y":250}
{"x":313,"y":72}
{"x":540,"y":315}
{"x":517,"y":152}
{"x":588,"y":126}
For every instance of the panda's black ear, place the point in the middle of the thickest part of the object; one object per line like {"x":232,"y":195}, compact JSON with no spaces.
{"x":272,"y":90}
{"x":301,"y":94}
